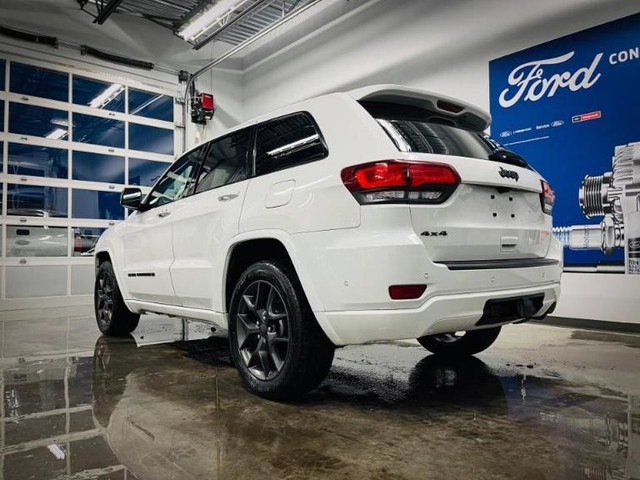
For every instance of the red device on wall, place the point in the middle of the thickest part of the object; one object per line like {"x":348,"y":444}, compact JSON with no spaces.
{"x":202,"y":108}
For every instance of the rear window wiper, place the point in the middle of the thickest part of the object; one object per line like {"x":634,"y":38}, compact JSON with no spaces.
{"x":507,"y":156}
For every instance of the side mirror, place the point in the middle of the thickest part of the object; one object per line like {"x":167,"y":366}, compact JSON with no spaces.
{"x":131,"y":198}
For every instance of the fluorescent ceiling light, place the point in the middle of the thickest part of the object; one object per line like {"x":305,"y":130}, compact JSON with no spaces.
{"x":109,"y":93}
{"x":57,"y":451}
{"x":209,"y":17}
{"x":57,"y":134}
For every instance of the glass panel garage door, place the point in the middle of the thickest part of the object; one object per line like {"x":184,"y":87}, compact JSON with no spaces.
{"x":69,"y":143}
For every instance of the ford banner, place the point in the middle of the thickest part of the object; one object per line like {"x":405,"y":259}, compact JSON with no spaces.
{"x":571,"y":107}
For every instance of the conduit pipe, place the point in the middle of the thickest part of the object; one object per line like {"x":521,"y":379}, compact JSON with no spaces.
{"x":232,"y":52}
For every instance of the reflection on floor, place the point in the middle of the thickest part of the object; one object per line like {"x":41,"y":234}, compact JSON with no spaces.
{"x":543,"y":403}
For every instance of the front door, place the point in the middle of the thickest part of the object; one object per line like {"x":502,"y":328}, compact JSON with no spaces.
{"x":147,"y":241}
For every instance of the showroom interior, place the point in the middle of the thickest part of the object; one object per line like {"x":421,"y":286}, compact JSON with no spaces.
{"x":99,"y":96}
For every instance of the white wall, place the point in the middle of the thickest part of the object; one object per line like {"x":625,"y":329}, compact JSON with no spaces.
{"x":226,"y":87}
{"x":441,"y":45}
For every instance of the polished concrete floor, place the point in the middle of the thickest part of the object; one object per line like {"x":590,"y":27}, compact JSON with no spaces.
{"x":543,"y":403}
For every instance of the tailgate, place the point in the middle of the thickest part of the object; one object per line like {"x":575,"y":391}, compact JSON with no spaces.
{"x":495,"y":214}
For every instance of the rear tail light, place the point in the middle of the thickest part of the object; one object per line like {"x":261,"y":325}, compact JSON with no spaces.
{"x":392,"y":181}
{"x":406,"y":292}
{"x":547,"y":197}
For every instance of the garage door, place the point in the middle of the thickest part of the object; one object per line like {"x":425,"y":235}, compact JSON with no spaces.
{"x":70,"y":140}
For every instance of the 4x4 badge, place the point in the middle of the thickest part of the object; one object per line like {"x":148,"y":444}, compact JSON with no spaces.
{"x":504,"y":173}
{"x":441,"y":233}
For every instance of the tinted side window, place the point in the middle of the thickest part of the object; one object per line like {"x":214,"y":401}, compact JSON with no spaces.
{"x":287,"y":142}
{"x":176,"y":180}
{"x":226,"y":162}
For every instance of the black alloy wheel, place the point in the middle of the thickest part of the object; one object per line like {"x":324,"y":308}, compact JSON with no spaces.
{"x":263,"y":329}
{"x":276,"y":343}
{"x":112,"y":315}
{"x":105,"y":297}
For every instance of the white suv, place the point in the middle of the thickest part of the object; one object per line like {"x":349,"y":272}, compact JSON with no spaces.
{"x":383,"y":213}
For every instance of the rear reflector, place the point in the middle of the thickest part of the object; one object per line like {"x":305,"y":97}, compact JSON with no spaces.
{"x":392,"y":181}
{"x":406,"y":292}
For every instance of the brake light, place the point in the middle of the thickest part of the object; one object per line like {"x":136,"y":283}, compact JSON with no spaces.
{"x":547,"y":197}
{"x":449,"y":107}
{"x":406,"y":292}
{"x":378,"y":175}
{"x":392,"y":181}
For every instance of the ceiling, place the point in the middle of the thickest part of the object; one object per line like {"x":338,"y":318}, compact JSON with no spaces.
{"x":151,"y":39}
{"x":247,"y":20}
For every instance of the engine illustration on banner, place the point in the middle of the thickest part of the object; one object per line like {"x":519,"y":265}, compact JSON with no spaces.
{"x":615,"y":196}
{"x":568,"y":106}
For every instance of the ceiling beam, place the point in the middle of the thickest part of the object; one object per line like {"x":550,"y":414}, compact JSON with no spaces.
{"x":107,"y":11}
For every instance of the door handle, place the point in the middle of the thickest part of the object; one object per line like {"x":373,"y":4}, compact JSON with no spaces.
{"x":227,"y":197}
{"x":164,"y":213}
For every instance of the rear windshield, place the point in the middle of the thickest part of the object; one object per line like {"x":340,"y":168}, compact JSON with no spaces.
{"x":415,"y":129}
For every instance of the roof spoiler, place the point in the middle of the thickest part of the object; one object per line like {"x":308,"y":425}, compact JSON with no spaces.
{"x":462,"y":113}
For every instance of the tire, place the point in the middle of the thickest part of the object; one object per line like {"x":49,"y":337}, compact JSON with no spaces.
{"x":469,"y":343}
{"x":275,"y":341}
{"x":112,"y":315}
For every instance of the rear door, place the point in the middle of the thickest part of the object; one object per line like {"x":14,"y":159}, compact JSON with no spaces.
{"x":496,"y":212}
{"x":206,"y":221}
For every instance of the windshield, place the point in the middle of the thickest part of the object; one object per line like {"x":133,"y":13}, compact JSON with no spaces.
{"x":414,"y":129}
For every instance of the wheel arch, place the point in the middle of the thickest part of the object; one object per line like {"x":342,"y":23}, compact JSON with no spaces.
{"x":247,"y":250}
{"x":104,"y":255}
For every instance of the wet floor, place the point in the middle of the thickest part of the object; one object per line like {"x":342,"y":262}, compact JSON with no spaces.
{"x":543,"y":403}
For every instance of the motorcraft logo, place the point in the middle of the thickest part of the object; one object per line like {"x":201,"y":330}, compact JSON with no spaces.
{"x":585,"y":117}
{"x":529,"y":81}
{"x":504,"y":173}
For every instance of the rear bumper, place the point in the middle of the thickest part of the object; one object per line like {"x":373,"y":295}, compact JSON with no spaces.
{"x":439,"y":314}
{"x":352,"y":269}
